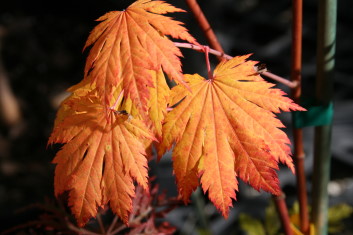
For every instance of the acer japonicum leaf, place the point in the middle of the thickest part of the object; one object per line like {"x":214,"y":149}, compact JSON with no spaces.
{"x":159,"y":96}
{"x":158,"y":102}
{"x":127,"y":44}
{"x":226,"y":128}
{"x":101,"y":158}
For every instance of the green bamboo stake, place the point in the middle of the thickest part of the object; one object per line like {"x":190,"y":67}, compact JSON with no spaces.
{"x":322,"y":153}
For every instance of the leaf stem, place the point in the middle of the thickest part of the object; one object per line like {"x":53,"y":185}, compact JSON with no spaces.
{"x":112,"y":225}
{"x":101,"y":224}
{"x":284,"y":81}
{"x":118,"y":100}
{"x":208,"y":65}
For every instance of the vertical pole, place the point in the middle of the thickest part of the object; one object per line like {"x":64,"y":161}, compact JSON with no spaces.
{"x":296,"y":67}
{"x":322,"y":153}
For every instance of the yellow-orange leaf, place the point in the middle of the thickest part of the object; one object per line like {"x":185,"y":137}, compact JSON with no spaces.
{"x":127,"y":44}
{"x":101,"y":158}
{"x":226,"y":128}
{"x":158,"y":101}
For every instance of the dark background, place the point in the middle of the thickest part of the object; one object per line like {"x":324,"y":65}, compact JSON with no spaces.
{"x":41,"y":54}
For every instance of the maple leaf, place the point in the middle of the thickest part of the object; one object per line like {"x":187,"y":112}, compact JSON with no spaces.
{"x":127,"y":44}
{"x":101,"y":158}
{"x":226,"y":128}
{"x":158,"y":102}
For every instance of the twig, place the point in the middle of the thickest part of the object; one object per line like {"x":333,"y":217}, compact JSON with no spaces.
{"x":112,"y":225}
{"x":117,"y":230}
{"x":100,"y":222}
{"x":80,"y":230}
{"x":134,"y":221}
{"x":204,"y":25}
{"x":291,"y":84}
{"x":283,"y":213}
{"x":200,"y":49}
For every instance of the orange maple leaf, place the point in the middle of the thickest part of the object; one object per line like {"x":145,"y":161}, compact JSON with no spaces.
{"x":127,"y":44}
{"x":158,"y":102}
{"x":101,"y":158}
{"x":226,"y":128}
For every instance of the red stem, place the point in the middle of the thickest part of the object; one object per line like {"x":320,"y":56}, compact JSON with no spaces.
{"x":296,"y":68}
{"x":283,"y":213}
{"x":205,"y":26}
{"x":291,"y":84}
{"x":208,"y":65}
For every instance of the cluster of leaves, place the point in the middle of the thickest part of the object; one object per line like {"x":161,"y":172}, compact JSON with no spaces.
{"x":221,"y":128}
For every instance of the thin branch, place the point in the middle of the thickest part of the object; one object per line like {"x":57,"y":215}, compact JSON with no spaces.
{"x":283,"y":213}
{"x":290,"y":84}
{"x":142,"y":215}
{"x":117,"y":230}
{"x":100,"y":222}
{"x":112,"y":225}
{"x":201,"y":49}
{"x":80,"y":230}
{"x":204,"y":25}
{"x":136,"y":220}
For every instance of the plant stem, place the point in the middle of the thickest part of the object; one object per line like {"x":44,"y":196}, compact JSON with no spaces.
{"x":283,"y":213}
{"x":296,"y":67}
{"x":135,"y":220}
{"x":112,"y":225}
{"x":291,"y":84}
{"x":204,"y":25}
{"x":208,"y":65}
{"x":101,"y":224}
{"x":326,"y":38}
{"x":284,"y":81}
{"x":201,"y":49}
{"x":80,"y":230}
{"x":118,"y":100}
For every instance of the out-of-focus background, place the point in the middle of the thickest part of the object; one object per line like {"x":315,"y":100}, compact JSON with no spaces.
{"x":41,"y":56}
